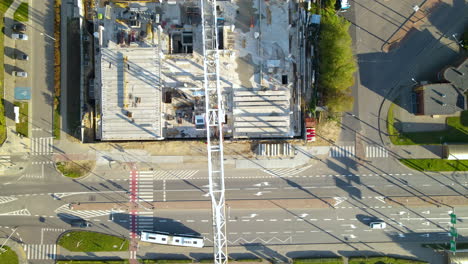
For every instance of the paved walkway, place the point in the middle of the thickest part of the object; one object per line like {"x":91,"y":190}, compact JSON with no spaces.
{"x":279,"y":252}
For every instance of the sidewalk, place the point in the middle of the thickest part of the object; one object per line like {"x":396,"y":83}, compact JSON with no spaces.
{"x":282,"y":253}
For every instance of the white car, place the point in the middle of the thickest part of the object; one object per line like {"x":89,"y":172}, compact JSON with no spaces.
{"x":378,"y":225}
{"x":20,"y":74}
{"x":19,"y":36}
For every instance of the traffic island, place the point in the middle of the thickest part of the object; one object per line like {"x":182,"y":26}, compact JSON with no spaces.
{"x":75,"y":168}
{"x":7,"y":255}
{"x":86,"y":241}
{"x":22,"y":123}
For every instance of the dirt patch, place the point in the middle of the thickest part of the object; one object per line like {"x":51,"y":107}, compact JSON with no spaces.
{"x":180,"y":148}
{"x":75,"y":169}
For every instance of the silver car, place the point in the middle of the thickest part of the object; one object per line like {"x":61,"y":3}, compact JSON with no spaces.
{"x":19,"y":36}
{"x":378,"y":225}
{"x":20,"y":74}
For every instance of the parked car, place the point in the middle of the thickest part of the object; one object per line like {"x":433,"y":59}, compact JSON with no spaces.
{"x":19,"y":36}
{"x":378,"y":225}
{"x":19,"y":27}
{"x":80,"y":223}
{"x":20,"y":74}
{"x":21,"y":56}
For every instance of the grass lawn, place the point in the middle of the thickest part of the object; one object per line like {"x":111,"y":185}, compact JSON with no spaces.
{"x":9,"y":256}
{"x":436,"y":164}
{"x":84,"y":241}
{"x":21,"y":14}
{"x":446,"y":246}
{"x":124,"y":261}
{"x":383,"y":260}
{"x":4,"y":4}
{"x":75,"y":169}
{"x":319,"y":260}
{"x":456,"y":132}
{"x":22,"y":126}
{"x":57,"y":122}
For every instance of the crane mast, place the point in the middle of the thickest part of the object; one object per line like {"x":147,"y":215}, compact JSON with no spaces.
{"x":214,"y":117}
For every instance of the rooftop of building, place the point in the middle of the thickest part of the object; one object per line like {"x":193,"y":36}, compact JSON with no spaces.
{"x":442,"y":99}
{"x":458,"y":76}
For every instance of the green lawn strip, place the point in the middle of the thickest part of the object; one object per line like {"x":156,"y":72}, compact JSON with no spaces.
{"x":456,"y":132}
{"x":9,"y":256}
{"x":383,"y":260}
{"x":21,"y":14}
{"x":124,"y":261}
{"x":163,"y":261}
{"x":4,"y":4}
{"x":436,"y":164}
{"x":446,"y":246}
{"x":84,"y":241}
{"x":318,"y":260}
{"x":22,"y":126}
{"x":57,"y":122}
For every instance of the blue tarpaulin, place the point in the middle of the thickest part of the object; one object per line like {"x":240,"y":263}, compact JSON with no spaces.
{"x":22,"y":93}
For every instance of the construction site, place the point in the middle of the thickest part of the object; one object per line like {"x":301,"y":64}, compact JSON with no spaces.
{"x":149,"y":71}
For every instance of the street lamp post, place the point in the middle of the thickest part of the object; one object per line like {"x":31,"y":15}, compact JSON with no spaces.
{"x":14,"y":230}
{"x":44,"y":34}
{"x":459,"y":42}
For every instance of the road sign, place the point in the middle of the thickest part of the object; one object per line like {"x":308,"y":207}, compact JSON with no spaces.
{"x":453,"y":218}
{"x":453,"y":232}
{"x":453,"y":246}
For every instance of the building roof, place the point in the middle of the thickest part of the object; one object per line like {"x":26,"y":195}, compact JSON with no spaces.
{"x":442,"y":99}
{"x":458,"y":76}
{"x":131,"y":94}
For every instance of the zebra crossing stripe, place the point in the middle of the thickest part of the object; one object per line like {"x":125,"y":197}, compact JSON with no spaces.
{"x":81,"y":214}
{"x":7,"y":199}
{"x":174,"y":174}
{"x":41,"y":252}
{"x":342,"y":151}
{"x":286,"y":172}
{"x":42,"y":146}
{"x":376,"y":152}
{"x":22,"y":212}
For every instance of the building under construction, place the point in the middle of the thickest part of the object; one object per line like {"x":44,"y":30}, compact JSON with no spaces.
{"x":149,"y":74}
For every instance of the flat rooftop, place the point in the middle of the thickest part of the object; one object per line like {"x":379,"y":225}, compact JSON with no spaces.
{"x":131,"y":96}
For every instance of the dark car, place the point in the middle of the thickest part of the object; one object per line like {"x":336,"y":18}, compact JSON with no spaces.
{"x":80,"y":223}
{"x":21,"y":56}
{"x":19,"y":27}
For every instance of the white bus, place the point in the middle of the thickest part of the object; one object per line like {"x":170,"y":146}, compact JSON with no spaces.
{"x":171,"y":239}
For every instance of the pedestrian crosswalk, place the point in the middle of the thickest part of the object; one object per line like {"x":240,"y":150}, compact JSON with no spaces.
{"x":7,"y":199}
{"x":342,"y":151}
{"x":145,"y":188}
{"x":40,"y":252}
{"x":145,"y":221}
{"x":286,"y":172}
{"x":65,"y":212}
{"x":5,"y":159}
{"x":174,"y":174}
{"x":43,"y":162}
{"x":376,"y":151}
{"x":42,"y":146}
